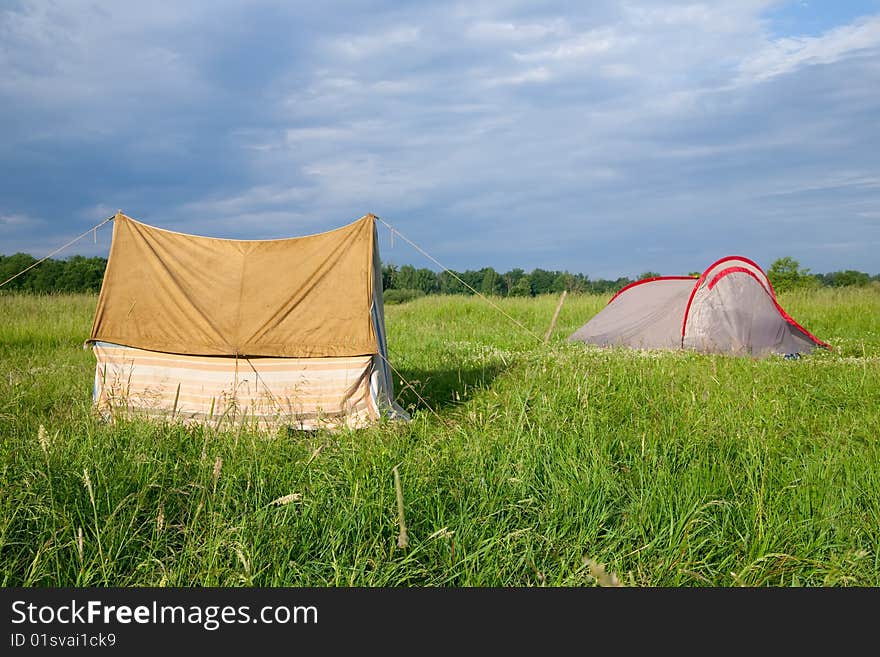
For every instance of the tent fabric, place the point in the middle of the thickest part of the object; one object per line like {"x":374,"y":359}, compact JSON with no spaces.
{"x":272,"y":332}
{"x":187,"y":294}
{"x":731,"y":308}
{"x":643,"y":316}
{"x":304,"y":393}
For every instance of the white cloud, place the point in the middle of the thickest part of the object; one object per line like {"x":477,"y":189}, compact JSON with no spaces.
{"x":506,"y":31}
{"x":295,"y":135}
{"x":372,"y":44}
{"x":489,"y":121}
{"x":259,"y":197}
{"x":583,"y":46}
{"x":841,"y":180}
{"x":15,"y":220}
{"x":788,"y":54}
{"x":537,"y":74}
{"x":97,"y":212}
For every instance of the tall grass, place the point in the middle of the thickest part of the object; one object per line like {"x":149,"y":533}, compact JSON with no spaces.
{"x":533,"y":464}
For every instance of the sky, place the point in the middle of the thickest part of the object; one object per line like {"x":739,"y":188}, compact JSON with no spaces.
{"x":603,"y":138}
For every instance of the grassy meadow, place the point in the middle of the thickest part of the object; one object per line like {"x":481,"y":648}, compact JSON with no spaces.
{"x":524,"y":465}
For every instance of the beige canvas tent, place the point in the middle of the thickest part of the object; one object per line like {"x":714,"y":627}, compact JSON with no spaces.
{"x":731,"y":308}
{"x":286,"y":332}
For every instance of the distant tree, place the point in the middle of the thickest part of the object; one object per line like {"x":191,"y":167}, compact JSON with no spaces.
{"x":616,"y":286}
{"x":76,"y":274}
{"x":522,"y":288}
{"x":512,"y":277}
{"x":786,"y":274}
{"x":474,"y":279}
{"x":542,"y":281}
{"x":568,"y":282}
{"x":46,"y":277}
{"x":81,"y":274}
{"x":389,"y":276}
{"x":582,"y":283}
{"x":426,"y":281}
{"x":605,"y":286}
{"x":14,"y":264}
{"x":406,"y":278}
{"x":492,"y":283}
{"x":844,"y":278}
{"x":695,"y":274}
{"x":449,"y":283}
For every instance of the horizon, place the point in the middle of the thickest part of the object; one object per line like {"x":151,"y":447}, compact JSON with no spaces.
{"x":605,"y":140}
{"x":633,"y":277}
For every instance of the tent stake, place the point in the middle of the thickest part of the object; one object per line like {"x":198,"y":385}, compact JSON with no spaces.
{"x":555,"y":317}
{"x":402,"y":540}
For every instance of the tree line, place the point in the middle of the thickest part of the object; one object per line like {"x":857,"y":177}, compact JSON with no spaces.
{"x":786,"y":274}
{"x":401,"y":283}
{"x":74,"y":274}
{"x":406,"y":282}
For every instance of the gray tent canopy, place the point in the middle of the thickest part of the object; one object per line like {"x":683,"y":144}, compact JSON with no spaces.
{"x":731,"y":308}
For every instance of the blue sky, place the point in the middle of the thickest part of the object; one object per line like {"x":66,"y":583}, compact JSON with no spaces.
{"x":607,"y":138}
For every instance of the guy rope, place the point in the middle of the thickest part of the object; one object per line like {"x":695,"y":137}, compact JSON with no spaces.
{"x":456,"y":277}
{"x":61,"y":248}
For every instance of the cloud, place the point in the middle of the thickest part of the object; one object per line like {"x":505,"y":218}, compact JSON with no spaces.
{"x":603,"y":137}
{"x":584,"y":46}
{"x":371,"y":45}
{"x":510,"y":32}
{"x":537,"y":74}
{"x":788,"y":54}
{"x":66,"y":60}
{"x":15,"y":220}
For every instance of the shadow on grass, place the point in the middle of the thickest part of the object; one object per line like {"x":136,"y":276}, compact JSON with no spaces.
{"x":442,"y":388}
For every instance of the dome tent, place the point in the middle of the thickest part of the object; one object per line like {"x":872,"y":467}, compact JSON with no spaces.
{"x":731,"y":308}
{"x":273,"y":332}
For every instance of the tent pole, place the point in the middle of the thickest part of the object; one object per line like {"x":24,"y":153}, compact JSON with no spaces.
{"x":555,"y":317}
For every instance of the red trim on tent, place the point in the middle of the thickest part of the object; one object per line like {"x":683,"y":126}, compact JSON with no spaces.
{"x":788,"y":318}
{"x":651,"y":280}
{"x":700,"y":280}
{"x":731,"y":270}
{"x":771,"y":293}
